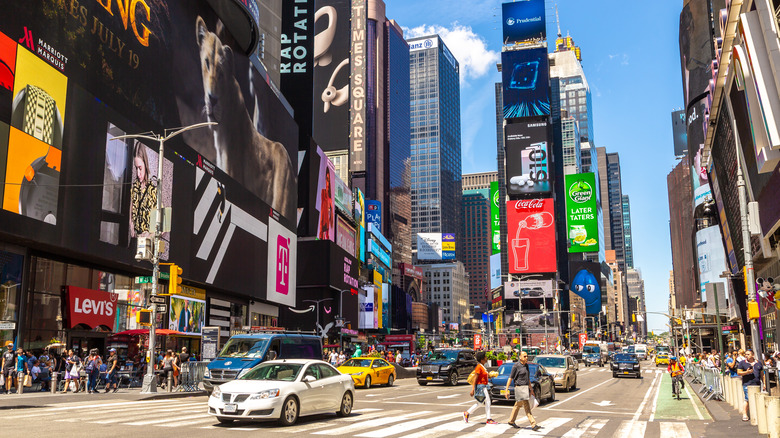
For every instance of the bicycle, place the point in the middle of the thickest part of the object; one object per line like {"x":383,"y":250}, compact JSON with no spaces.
{"x":676,"y":386}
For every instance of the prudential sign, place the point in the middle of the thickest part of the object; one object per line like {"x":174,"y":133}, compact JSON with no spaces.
{"x":582,"y":223}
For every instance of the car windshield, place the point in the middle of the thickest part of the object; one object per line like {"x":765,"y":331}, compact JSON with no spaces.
{"x":551,"y":362}
{"x":358,"y":363}
{"x":244,"y":347}
{"x":506,"y":369}
{"x":445,"y":355}
{"x":591,"y":349}
{"x":625,"y":357}
{"x":663,"y":354}
{"x":631,"y":349}
{"x":662,"y":349}
{"x":286,"y":372}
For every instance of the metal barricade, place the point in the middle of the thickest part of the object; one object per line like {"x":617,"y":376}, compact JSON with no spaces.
{"x":695,"y":372}
{"x":191,"y":376}
{"x":772,"y":380}
{"x":712,"y":384}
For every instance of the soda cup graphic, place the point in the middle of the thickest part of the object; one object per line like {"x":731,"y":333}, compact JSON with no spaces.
{"x":520,"y":250}
{"x":282,"y":265}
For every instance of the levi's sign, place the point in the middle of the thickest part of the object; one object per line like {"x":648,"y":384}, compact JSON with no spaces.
{"x":92,"y":308}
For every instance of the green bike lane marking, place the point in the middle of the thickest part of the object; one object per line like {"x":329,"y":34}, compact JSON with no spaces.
{"x":689,"y":407}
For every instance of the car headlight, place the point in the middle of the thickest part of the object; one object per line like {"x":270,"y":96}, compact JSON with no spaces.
{"x":356,"y":374}
{"x":445,"y":367}
{"x":207,"y":374}
{"x":217,"y":392}
{"x":558,"y":375}
{"x":269,"y":393}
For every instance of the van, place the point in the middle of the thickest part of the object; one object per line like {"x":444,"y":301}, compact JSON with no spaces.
{"x":640,"y":350}
{"x":241,"y":353}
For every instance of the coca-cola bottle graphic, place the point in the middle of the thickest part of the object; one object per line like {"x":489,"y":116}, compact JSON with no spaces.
{"x":521,"y":245}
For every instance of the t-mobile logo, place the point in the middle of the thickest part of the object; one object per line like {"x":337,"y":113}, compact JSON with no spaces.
{"x":282,"y":265}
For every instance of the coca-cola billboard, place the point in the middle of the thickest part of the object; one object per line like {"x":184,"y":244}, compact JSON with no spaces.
{"x":531,"y":236}
{"x":92,"y":308}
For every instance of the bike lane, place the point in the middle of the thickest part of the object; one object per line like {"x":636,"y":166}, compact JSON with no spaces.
{"x":688,"y":407}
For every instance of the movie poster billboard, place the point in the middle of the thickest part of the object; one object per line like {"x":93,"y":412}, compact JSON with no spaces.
{"x":325,"y":204}
{"x":679,"y":133}
{"x":585,"y":280}
{"x":186,"y":315}
{"x":528,"y":162}
{"x":711,"y":258}
{"x":435,"y":246}
{"x":524,"y":21}
{"x":526,"y":83}
{"x":531,"y":235}
{"x":495,"y":218}
{"x":582,"y":223}
{"x":696,"y":132}
{"x":696,"y":52}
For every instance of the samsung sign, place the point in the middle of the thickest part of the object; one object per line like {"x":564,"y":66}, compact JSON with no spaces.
{"x":428,"y":43}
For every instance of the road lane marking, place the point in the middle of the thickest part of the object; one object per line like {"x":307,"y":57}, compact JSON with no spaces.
{"x":586,"y":411}
{"x":188,"y":423}
{"x":407,"y":426}
{"x":488,"y":430}
{"x":163,"y":420}
{"x":695,"y":408}
{"x":576,"y":395}
{"x":631,"y":429}
{"x":547,"y":426}
{"x":638,"y":412}
{"x":47,"y":413}
{"x":346,"y":430}
{"x":674,"y":430}
{"x":350,"y":419}
{"x":587,"y":429}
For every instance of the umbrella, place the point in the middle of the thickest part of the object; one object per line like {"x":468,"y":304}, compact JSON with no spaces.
{"x":137,"y":332}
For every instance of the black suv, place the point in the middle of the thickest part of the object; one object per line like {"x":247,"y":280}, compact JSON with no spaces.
{"x":447,"y":365}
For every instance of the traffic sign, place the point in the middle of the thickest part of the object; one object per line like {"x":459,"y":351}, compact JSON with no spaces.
{"x":162,"y":308}
{"x":154,"y":299}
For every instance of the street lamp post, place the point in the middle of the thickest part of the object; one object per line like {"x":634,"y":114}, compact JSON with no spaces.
{"x":148,"y":384}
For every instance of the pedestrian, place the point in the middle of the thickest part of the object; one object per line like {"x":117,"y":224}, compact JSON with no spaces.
{"x":731,"y":364}
{"x":333,"y":358}
{"x":21,"y":366}
{"x":750,"y":370}
{"x":167,"y":365}
{"x":112,"y":366}
{"x":72,"y":370}
{"x":520,"y":377}
{"x":44,"y":375}
{"x":740,"y":355}
{"x":342,"y":357}
{"x":92,"y":368}
{"x":8,"y":368}
{"x":479,"y":390}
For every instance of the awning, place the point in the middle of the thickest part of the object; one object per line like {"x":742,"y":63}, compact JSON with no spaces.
{"x":136,"y":332}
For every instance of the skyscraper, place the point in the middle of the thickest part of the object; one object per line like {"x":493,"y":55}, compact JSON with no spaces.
{"x":435,"y":136}
{"x":636,"y":300}
{"x":501,"y":165}
{"x":612,"y":203}
{"x":627,"y":232}
{"x":681,"y":224}
{"x":475,"y":237}
{"x":570,"y":133}
{"x":575,"y":96}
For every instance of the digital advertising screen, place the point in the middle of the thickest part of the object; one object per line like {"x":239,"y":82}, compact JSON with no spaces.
{"x":531,"y":236}
{"x":495,"y":218}
{"x":528,"y":162}
{"x":680,"y":133}
{"x":582,"y":222}
{"x":585,"y":280}
{"x":523,"y":21}
{"x":528,"y":289}
{"x":526,"y":83}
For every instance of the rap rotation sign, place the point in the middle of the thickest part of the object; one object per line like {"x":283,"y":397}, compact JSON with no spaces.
{"x":582,"y":226}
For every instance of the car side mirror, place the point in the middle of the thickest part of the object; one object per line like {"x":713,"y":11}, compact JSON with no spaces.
{"x":309,"y":379}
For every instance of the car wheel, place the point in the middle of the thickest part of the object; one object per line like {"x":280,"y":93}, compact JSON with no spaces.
{"x":289,"y":413}
{"x":390,"y":380}
{"x":574,"y":385}
{"x":601,"y":364}
{"x":538,"y":393}
{"x":614,"y":375}
{"x":367,"y":385}
{"x":552,"y":394}
{"x":422,"y":382}
{"x":453,"y":378}
{"x":346,"y":405}
{"x":223,"y":420}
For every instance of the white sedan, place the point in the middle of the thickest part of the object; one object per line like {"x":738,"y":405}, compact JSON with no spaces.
{"x":284,"y":390}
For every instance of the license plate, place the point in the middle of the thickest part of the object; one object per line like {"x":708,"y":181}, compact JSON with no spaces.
{"x":503,"y":392}
{"x":429,"y":378}
{"x":230,"y":408}
{"x":625,"y":372}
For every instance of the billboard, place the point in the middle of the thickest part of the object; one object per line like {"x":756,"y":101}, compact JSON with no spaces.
{"x":526,"y":83}
{"x":582,"y":224}
{"x":296,"y":69}
{"x":528,"y":163}
{"x":345,"y":236}
{"x":374,"y":213}
{"x":357,"y":93}
{"x":679,"y":133}
{"x":343,"y":197}
{"x":695,"y":49}
{"x":524,"y":21}
{"x":495,"y":219}
{"x":360,"y":217}
{"x":585,"y":281}
{"x":435,"y":246}
{"x":711,"y":258}
{"x":186,"y":315}
{"x":495,"y":270}
{"x":531,"y":235}
{"x":325,"y":203}
{"x":528,"y":289}
{"x":696,"y":131}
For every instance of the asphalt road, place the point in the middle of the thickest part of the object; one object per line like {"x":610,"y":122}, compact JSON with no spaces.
{"x":602,"y":406}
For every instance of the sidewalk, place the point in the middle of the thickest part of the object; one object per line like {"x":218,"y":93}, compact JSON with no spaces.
{"x":41,"y":399}
{"x":727,"y":419}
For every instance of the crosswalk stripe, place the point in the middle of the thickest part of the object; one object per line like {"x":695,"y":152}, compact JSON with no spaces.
{"x":488,"y":430}
{"x":350,"y":419}
{"x":187,"y":423}
{"x":547,"y":425}
{"x":145,"y":414}
{"x":587,"y":429}
{"x":107,"y":409}
{"x":674,"y":430}
{"x":371,"y":423}
{"x":163,"y":420}
{"x":448,"y":428}
{"x":631,"y":429}
{"x":406,"y":426}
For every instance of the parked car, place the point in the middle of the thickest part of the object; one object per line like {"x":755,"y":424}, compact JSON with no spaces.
{"x":283,"y":390}
{"x":544,"y":386}
{"x":562,"y":367}
{"x":626,"y":364}
{"x":367,"y":371}
{"x":447,"y":365}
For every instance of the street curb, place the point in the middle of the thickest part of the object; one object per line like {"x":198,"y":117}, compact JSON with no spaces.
{"x":167,"y":395}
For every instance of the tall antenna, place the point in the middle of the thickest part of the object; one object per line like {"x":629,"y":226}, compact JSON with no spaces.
{"x":557,"y":20}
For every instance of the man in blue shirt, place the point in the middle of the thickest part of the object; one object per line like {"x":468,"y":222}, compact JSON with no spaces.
{"x":750,"y":370}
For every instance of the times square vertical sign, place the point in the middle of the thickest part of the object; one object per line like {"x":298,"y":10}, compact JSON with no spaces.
{"x":357,"y":113}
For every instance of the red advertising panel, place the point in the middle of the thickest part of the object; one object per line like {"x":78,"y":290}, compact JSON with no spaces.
{"x":531,"y":237}
{"x":91,"y":307}
{"x":583,"y":339}
{"x":477,"y":341}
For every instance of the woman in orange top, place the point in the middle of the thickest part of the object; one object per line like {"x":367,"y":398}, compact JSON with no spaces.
{"x":480,"y":390}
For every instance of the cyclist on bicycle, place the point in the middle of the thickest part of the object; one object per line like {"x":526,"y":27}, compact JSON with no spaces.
{"x":676,"y":370}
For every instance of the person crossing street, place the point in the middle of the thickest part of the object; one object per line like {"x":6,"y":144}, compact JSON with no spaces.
{"x":480,"y":390}
{"x":520,"y":376}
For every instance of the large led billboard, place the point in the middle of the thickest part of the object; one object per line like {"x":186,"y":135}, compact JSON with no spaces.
{"x":586,"y":282}
{"x":695,"y":49}
{"x":526,"y":83}
{"x":528,"y":162}
{"x":435,"y":246}
{"x":696,"y":132}
{"x":679,"y":133}
{"x":528,"y":289}
{"x":495,"y":218}
{"x":582,"y":222}
{"x":523,"y":21}
{"x":711,"y":258}
{"x":531,"y":236}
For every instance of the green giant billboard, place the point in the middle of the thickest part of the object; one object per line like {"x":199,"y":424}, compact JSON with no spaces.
{"x":582,"y":223}
{"x":495,"y":218}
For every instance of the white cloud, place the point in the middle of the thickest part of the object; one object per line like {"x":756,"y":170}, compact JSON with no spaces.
{"x":469,"y":49}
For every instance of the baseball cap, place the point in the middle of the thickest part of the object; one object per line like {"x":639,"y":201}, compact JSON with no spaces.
{"x":9,"y":344}
{"x":112,"y":349}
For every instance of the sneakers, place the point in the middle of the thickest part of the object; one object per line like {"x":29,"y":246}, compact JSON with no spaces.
{"x":536,"y":427}
{"x":745,"y":418}
{"x":490,"y":421}
{"x":466,"y":416}
{"x":514,"y":425}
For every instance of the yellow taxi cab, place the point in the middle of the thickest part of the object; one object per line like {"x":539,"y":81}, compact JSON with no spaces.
{"x":662,"y":358}
{"x":367,"y":371}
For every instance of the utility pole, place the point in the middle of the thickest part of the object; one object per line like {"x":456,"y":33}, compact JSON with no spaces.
{"x":149,"y":385}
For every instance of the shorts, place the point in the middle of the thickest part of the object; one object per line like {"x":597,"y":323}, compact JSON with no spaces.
{"x":9,"y":372}
{"x":745,"y":390}
{"x":111,"y":378}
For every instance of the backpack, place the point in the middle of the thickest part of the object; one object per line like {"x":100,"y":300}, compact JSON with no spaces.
{"x":90,"y":367}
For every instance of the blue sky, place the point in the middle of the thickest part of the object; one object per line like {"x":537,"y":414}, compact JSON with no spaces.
{"x":632,"y":65}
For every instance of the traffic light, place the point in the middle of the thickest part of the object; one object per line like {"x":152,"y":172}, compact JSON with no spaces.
{"x":517,"y":330}
{"x":174,"y":281}
{"x":144,"y":317}
{"x":633,"y":317}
